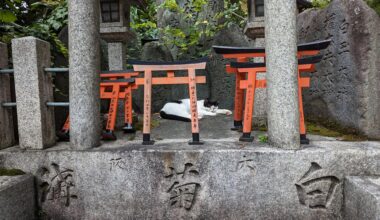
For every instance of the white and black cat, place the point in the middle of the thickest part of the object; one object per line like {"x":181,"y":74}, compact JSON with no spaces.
{"x":180,"y":110}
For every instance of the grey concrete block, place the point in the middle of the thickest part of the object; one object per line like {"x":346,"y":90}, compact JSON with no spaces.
{"x":36,"y":124}
{"x":282,"y":83}
{"x":84,"y":49}
{"x":7,"y":134}
{"x":116,"y":56}
{"x":171,"y":180}
{"x":17,"y":201}
{"x":345,"y":87}
{"x":362,"y":198}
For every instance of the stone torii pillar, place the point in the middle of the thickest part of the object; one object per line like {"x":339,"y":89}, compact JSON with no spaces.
{"x":282,"y":66}
{"x":84,"y":49}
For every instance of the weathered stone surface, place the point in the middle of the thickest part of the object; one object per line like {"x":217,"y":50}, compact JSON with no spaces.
{"x":222,"y":84}
{"x":7,"y":134}
{"x":281,"y":64}
{"x":36,"y":126}
{"x":17,"y":201}
{"x":225,"y":179}
{"x":116,"y":56}
{"x":362,"y":198}
{"x":345,"y":87}
{"x":84,"y":49}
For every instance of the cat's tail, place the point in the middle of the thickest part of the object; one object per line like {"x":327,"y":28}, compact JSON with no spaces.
{"x":173,"y":117}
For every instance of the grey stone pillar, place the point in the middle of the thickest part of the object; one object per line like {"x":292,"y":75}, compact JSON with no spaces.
{"x":84,"y":49}
{"x":36,"y":126}
{"x":116,"y":56}
{"x":282,"y":90}
{"x":7,"y":135}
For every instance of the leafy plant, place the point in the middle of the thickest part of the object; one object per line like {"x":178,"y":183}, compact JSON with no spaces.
{"x":375,"y":4}
{"x":192,"y":32}
{"x":41,"y":19}
{"x":263,"y":139}
{"x":321,"y":3}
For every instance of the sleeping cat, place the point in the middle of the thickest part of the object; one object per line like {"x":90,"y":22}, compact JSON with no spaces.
{"x":180,"y":110}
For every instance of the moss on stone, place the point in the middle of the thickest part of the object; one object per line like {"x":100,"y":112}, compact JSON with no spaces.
{"x":333,"y":130}
{"x":313,"y":128}
{"x":10,"y":172}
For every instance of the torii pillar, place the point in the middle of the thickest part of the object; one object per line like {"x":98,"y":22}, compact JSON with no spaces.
{"x":84,"y":61}
{"x":282,"y":66}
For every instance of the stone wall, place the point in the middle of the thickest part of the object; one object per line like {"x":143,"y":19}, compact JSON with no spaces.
{"x":219,"y":180}
{"x":345,"y":88}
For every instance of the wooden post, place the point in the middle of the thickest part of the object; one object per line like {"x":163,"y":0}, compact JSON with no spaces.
{"x":193,"y":108}
{"x":147,"y":107}
{"x":249,"y":105}
{"x":128,"y":117}
{"x":239,"y":99}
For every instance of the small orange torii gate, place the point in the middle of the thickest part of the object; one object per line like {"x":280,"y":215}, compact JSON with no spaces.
{"x":243,"y":54}
{"x":170,"y":67}
{"x":115,"y":85}
{"x":251,"y":84}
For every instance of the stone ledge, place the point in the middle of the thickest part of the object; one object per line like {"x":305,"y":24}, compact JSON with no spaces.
{"x":222,"y":179}
{"x":362,"y":198}
{"x":17,"y":197}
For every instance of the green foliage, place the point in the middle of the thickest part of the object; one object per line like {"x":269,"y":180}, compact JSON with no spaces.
{"x":143,"y":20}
{"x":375,"y":4}
{"x":41,"y":19}
{"x":263,"y":139}
{"x":193,"y":31}
{"x":321,"y":3}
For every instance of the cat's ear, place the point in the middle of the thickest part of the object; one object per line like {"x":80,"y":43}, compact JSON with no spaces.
{"x":206,"y":103}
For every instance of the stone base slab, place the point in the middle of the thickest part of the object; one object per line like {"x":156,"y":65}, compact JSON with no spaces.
{"x":222,"y":179}
{"x":17,"y":197}
{"x":362,"y":198}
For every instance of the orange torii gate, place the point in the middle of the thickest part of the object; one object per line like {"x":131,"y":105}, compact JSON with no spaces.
{"x":170,"y":67}
{"x":115,"y":85}
{"x":243,"y":54}
{"x":251,"y":84}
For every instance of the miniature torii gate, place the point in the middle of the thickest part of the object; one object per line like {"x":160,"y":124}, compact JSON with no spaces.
{"x":281,"y":35}
{"x":148,"y":68}
{"x":114,"y":86}
{"x":243,"y":54}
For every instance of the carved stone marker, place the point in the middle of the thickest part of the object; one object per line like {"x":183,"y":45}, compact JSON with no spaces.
{"x":34,"y":88}
{"x":7,"y":135}
{"x":345,"y":87}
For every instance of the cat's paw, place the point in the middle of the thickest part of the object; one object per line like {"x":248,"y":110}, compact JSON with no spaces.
{"x":228,"y":112}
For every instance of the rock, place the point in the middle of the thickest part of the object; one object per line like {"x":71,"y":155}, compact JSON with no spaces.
{"x":222,"y":84}
{"x":345,"y":87}
{"x":17,"y":197}
{"x":362,"y":198}
{"x":223,"y":179}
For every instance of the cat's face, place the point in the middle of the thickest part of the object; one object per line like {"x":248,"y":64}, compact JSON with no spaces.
{"x":211,"y":105}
